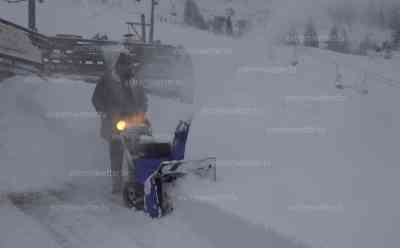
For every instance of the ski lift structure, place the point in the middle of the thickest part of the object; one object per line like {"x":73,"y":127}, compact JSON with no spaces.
{"x":133,"y":32}
{"x":166,"y":70}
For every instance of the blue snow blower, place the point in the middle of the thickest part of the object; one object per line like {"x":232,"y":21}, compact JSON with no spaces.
{"x":154,"y":166}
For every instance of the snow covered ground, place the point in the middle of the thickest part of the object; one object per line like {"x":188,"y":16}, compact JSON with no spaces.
{"x":298,"y":159}
{"x":55,"y":184}
{"x":303,"y":157}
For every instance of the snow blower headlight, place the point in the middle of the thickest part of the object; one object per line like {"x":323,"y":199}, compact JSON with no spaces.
{"x":137,"y":120}
{"x":121,"y":125}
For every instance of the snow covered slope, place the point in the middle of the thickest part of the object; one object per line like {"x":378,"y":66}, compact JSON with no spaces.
{"x":308,"y":159}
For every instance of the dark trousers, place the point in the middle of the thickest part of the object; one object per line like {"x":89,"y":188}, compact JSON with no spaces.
{"x":116,"y":157}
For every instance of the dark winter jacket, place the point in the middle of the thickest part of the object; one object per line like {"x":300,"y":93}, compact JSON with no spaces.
{"x":111,"y":98}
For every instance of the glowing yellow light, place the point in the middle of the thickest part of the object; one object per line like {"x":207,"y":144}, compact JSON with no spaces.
{"x":121,"y":125}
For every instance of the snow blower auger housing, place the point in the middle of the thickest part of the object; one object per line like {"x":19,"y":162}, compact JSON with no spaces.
{"x":154,"y":166}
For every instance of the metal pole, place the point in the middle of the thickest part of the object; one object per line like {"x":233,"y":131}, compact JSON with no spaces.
{"x":143,"y":21}
{"x":151,"y":39}
{"x":32,"y":15}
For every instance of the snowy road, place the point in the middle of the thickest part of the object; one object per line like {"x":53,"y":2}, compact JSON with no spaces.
{"x":81,"y":217}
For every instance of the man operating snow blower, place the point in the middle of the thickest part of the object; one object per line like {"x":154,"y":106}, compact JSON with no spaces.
{"x":153,"y":164}
{"x":119,"y":95}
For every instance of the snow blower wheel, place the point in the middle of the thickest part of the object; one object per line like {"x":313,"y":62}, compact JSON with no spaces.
{"x":132,"y":196}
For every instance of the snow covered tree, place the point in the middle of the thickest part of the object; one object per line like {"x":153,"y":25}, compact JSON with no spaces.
{"x":365,"y":45}
{"x":396,"y":38}
{"x":387,"y":49}
{"x":333,"y":42}
{"x":394,"y":25}
{"x":192,"y":15}
{"x":292,"y":37}
{"x":338,"y":40}
{"x":344,"y":42}
{"x":310,"y":35}
{"x":229,"y":26}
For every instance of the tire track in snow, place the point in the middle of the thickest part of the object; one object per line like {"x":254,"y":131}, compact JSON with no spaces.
{"x":195,"y":224}
{"x":28,"y":202}
{"x":89,"y":219}
{"x":72,"y":224}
